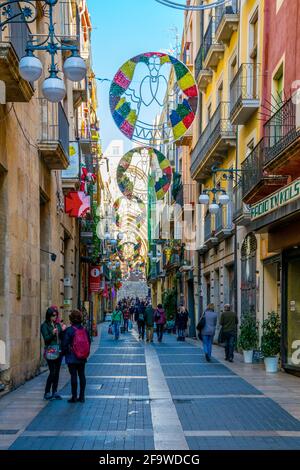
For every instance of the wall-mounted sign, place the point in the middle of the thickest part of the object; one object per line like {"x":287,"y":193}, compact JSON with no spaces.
{"x":72,"y":172}
{"x":77,"y":203}
{"x":276,"y":200}
{"x":95,"y":279}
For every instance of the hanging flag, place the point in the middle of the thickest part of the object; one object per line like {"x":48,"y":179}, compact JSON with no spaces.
{"x":77,"y":204}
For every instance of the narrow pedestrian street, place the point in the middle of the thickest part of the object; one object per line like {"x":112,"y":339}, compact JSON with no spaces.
{"x":157,"y":396}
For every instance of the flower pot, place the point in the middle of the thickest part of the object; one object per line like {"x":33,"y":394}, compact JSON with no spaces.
{"x":248,"y":356}
{"x":271,"y":364}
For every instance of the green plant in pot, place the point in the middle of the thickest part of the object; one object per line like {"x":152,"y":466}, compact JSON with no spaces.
{"x":270,"y":342}
{"x":248,"y":338}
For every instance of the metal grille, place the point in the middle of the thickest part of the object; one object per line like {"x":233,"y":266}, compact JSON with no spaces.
{"x":54,"y":124}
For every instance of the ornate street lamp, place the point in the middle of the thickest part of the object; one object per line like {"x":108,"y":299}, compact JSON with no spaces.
{"x":223,"y":198}
{"x":30,"y":66}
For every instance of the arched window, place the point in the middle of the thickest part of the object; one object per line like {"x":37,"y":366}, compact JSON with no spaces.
{"x":248,"y":277}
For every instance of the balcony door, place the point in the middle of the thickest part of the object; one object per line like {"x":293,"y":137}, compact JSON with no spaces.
{"x":252,"y":76}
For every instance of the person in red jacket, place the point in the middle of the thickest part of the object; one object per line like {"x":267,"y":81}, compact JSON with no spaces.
{"x":160,"y":320}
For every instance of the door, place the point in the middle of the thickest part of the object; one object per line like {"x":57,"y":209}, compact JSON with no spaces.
{"x":291,"y":317}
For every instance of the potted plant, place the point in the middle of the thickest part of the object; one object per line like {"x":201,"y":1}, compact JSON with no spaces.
{"x":270,"y":342}
{"x":248,"y":338}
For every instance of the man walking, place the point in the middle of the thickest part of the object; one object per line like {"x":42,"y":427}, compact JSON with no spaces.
{"x":228,"y":322}
{"x":149,"y":322}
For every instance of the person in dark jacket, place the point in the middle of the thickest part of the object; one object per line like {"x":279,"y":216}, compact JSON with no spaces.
{"x":76,"y":366}
{"x":160,"y":320}
{"x":52,"y":334}
{"x":228,"y":322}
{"x":181,"y":322}
{"x":141,"y":320}
{"x":209,"y":329}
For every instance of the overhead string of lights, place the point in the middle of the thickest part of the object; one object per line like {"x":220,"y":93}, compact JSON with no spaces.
{"x":180,"y":6}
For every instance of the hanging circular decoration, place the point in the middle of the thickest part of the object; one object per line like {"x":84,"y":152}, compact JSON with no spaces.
{"x":140,"y":91}
{"x":161,"y":185}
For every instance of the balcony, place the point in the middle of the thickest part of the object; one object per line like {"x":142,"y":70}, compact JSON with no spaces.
{"x":80,"y":93}
{"x":257,"y":182}
{"x":223,"y":224}
{"x":214,"y":142}
{"x":213,"y":50}
{"x":13,"y":41}
{"x":244,"y":93}
{"x":282,"y":135}
{"x":186,"y":140}
{"x":203,"y":76}
{"x":227,"y":21}
{"x":53,"y":142}
{"x":241,"y":211}
{"x":210,"y":238}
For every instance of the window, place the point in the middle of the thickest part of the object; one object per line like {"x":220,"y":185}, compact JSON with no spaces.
{"x":253,"y":38}
{"x":250,"y":147}
{"x":278,"y":86}
{"x":220,"y":94}
{"x":115,"y":151}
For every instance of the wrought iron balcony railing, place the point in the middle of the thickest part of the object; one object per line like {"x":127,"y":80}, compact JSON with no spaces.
{"x":218,"y":126}
{"x":224,"y":218}
{"x":16,"y":33}
{"x":252,"y":168}
{"x":199,"y":62}
{"x":54,"y":123}
{"x":226,"y":10}
{"x":209,"y":227}
{"x":240,"y":209}
{"x":281,"y":131}
{"x":244,"y":86}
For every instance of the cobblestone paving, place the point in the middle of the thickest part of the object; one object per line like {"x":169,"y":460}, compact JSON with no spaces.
{"x":126,"y":407}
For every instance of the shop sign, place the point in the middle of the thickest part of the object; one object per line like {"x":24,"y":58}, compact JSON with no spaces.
{"x":276,"y":200}
{"x":95,"y":279}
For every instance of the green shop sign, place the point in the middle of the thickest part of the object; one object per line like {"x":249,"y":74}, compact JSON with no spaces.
{"x":276,"y":200}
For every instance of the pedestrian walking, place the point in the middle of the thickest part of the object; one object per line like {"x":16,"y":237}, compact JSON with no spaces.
{"x":52,"y":334}
{"x":181,"y":322}
{"x":210,"y":318}
{"x":126,"y":316}
{"x":160,"y":320}
{"x":149,"y":322}
{"x":228,"y":322}
{"x":76,"y":348}
{"x":141,"y":320}
{"x":116,"y":320}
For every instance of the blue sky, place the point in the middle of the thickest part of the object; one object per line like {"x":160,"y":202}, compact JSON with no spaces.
{"x":123,"y":29}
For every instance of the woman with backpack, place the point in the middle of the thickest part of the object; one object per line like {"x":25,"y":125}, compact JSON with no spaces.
{"x":52,"y":333}
{"x":76,"y":347}
{"x":160,"y":320}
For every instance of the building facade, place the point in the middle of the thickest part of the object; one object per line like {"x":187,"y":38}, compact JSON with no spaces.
{"x":39,"y":242}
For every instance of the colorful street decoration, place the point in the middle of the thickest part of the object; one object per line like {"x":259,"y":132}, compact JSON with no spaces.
{"x":86,"y":178}
{"x":77,"y":204}
{"x":140,"y":91}
{"x":161,"y":186}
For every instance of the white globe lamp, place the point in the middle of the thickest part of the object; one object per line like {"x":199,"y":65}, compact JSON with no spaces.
{"x":54,"y":89}
{"x":224,"y":199}
{"x":75,"y":68}
{"x":214,"y":208}
{"x":204,"y":199}
{"x":30,"y":68}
